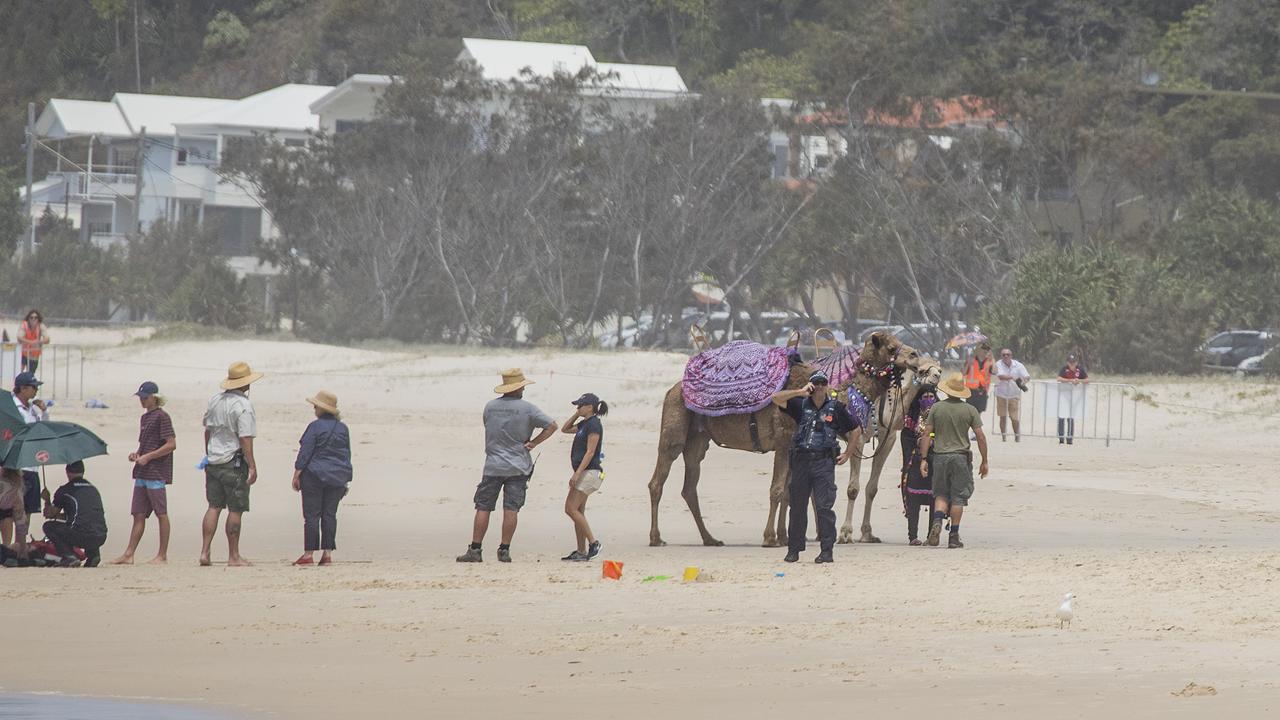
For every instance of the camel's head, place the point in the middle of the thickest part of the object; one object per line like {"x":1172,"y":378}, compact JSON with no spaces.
{"x":929,"y":372}
{"x":883,"y":349}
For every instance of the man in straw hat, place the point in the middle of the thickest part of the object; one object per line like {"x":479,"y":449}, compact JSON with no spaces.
{"x":229,"y":429}
{"x":152,"y":472}
{"x":947,"y":432}
{"x":509,"y":424}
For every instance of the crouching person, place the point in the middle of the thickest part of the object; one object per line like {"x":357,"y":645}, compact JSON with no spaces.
{"x":76,"y":518}
{"x":13,"y":508}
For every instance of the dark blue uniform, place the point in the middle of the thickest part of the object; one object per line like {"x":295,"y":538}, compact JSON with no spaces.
{"x":813,"y":467}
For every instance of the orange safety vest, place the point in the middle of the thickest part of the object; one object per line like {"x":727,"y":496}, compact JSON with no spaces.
{"x":30,"y":335}
{"x":979,"y":375}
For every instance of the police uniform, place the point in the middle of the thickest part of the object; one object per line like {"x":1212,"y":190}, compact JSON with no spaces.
{"x":814,"y":448}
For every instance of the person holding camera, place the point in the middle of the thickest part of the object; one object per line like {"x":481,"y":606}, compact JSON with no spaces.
{"x":1011,"y":382}
{"x":230,"y":470}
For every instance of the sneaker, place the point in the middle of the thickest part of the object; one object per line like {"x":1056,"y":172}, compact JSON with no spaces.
{"x":935,"y":532}
{"x":824,"y":557}
{"x":471,"y":555}
{"x":68,"y":561}
{"x":92,"y":559}
{"x":593,"y":550}
{"x":1004,"y":438}
{"x":504,"y":554}
{"x":953,"y":541}
{"x":792,"y":556}
{"x":915,"y":542}
{"x":574,"y":556}
{"x":1017,"y":438}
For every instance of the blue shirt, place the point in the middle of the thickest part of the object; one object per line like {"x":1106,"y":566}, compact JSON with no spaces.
{"x":586,"y":428}
{"x":325,"y":454}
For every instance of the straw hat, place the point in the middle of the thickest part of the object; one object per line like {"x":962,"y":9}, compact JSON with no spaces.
{"x":512,"y":380}
{"x":954,"y":387}
{"x":240,"y":375}
{"x":326,"y":401}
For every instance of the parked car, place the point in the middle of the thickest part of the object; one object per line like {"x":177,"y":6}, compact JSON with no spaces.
{"x":1227,"y":350}
{"x":1253,"y":365}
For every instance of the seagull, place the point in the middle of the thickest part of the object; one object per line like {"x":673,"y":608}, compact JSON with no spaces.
{"x":1065,"y":612}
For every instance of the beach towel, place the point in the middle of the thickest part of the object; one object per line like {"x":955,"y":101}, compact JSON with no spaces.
{"x":738,"y":378}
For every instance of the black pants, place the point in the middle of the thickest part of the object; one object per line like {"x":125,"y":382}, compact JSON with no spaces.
{"x":65,"y":537}
{"x":978,"y":399}
{"x":812,"y":474}
{"x":31,"y":492}
{"x":320,"y":514}
{"x":1069,"y":424}
{"x":913,"y":505}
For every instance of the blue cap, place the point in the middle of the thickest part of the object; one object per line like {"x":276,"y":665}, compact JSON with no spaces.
{"x":819,"y":377}
{"x":147,"y":389}
{"x":587,"y":399}
{"x":26,"y":379}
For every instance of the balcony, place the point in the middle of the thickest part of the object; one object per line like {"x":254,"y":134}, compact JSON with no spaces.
{"x":106,"y":182}
{"x":108,"y":240}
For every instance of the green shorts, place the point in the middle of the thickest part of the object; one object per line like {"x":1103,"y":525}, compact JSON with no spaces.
{"x":952,"y":478}
{"x":227,"y":486}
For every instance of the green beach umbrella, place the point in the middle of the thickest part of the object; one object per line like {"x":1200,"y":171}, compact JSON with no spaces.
{"x":50,"y":442}
{"x":11,"y":422}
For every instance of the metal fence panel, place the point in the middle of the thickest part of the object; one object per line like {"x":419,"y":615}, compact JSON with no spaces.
{"x":1092,"y":411}
{"x":61,"y":369}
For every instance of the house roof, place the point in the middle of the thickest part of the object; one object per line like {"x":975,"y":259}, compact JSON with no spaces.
{"x":285,"y":108}
{"x":350,"y":85}
{"x":63,"y":118}
{"x":159,"y":113}
{"x":505,"y":61}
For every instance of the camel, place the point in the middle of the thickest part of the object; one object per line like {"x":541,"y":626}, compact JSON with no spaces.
{"x":685,"y":433}
{"x":889,"y":415}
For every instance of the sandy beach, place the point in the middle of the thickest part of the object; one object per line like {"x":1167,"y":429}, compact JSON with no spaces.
{"x":1171,"y":544}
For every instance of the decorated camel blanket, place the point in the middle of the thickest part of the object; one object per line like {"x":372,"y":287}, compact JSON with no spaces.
{"x":737,"y":378}
{"x":840,"y":366}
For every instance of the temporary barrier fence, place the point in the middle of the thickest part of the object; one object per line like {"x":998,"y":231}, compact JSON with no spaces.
{"x":1085,"y":411}
{"x":60,"y":368}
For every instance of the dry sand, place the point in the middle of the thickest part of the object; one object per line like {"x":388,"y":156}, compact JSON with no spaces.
{"x":1171,"y":545}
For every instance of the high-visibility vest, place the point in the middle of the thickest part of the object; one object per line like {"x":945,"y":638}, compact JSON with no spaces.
{"x":978,"y":375}
{"x":30,"y":335}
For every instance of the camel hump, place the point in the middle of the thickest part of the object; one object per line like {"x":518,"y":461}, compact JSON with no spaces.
{"x":699,"y":337}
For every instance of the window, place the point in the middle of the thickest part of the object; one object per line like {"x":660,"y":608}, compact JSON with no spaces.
{"x":342,"y":126}
{"x":781,"y":161}
{"x":237,"y":228}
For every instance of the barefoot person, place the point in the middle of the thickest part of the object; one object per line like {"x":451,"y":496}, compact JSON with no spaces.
{"x":152,"y":473}
{"x":820,"y":418}
{"x":584,"y":458}
{"x":509,"y":424}
{"x":322,"y":472}
{"x":229,"y":429}
{"x":946,"y":432}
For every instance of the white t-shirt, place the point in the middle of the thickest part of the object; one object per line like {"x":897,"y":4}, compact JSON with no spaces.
{"x":228,"y":418}
{"x":1009,"y":388}
{"x":31,"y":415}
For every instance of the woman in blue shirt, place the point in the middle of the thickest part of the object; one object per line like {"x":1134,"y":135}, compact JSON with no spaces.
{"x":321,"y":473}
{"x":585,"y":456}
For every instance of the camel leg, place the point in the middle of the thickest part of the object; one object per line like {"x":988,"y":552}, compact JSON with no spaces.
{"x":694,"y":450}
{"x":873,"y":484}
{"x":775,"y":532}
{"x":855,"y":466}
{"x":671,"y":442}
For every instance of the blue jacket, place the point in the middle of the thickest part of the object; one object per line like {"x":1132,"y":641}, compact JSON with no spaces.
{"x":325,"y":454}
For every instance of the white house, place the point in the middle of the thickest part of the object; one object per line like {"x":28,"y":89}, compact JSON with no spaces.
{"x":625,"y":88}
{"x":110,"y":189}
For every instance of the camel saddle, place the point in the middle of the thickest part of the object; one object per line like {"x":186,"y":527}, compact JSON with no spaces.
{"x":735,"y":379}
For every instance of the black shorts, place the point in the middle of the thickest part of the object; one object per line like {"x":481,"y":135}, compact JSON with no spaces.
{"x":979,"y":400}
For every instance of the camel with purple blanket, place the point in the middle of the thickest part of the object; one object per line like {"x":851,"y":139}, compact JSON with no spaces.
{"x":725,"y":398}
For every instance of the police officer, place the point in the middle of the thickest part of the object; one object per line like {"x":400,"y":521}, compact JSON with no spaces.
{"x":820,"y":418}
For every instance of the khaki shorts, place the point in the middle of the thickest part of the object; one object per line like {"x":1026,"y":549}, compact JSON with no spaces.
{"x":590,"y":482}
{"x":952,"y":478}
{"x":227,"y":486}
{"x":1009,"y":407}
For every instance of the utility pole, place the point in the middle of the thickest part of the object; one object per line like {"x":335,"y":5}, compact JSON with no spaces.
{"x":31,"y":168}
{"x":137,"y":190}
{"x":137,"y":58}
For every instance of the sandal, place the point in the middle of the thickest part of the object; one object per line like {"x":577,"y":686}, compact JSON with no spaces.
{"x":304,"y":560}
{"x":325,"y":561}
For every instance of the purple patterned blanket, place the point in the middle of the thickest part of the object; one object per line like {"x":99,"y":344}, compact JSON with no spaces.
{"x":740,"y":377}
{"x":840,"y":366}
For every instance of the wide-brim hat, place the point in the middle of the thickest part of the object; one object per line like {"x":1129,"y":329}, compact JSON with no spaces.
{"x":240,"y":375}
{"x":954,"y":386}
{"x":326,"y":401}
{"x":512,"y":380}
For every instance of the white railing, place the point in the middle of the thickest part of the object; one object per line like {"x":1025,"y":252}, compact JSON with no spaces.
{"x":102,"y":181}
{"x":108,"y":240}
{"x":1092,"y":411}
{"x":61,"y":369}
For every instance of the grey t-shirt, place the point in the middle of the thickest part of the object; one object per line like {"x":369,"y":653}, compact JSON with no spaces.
{"x":509,"y":423}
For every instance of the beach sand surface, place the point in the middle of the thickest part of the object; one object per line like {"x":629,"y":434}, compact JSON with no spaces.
{"x":1170,"y":543}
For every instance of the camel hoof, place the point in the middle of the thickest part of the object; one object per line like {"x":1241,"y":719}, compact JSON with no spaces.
{"x":869,"y":538}
{"x":657,"y":543}
{"x":845,"y":538}
{"x":771,"y":544}
{"x":712,"y":542}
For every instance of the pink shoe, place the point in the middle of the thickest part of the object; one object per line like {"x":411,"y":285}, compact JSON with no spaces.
{"x":304,"y":560}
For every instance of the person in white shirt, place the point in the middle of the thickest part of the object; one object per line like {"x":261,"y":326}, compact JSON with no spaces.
{"x":1011,"y":377}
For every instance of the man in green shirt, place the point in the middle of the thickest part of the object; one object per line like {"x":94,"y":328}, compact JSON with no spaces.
{"x":947,"y":433}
